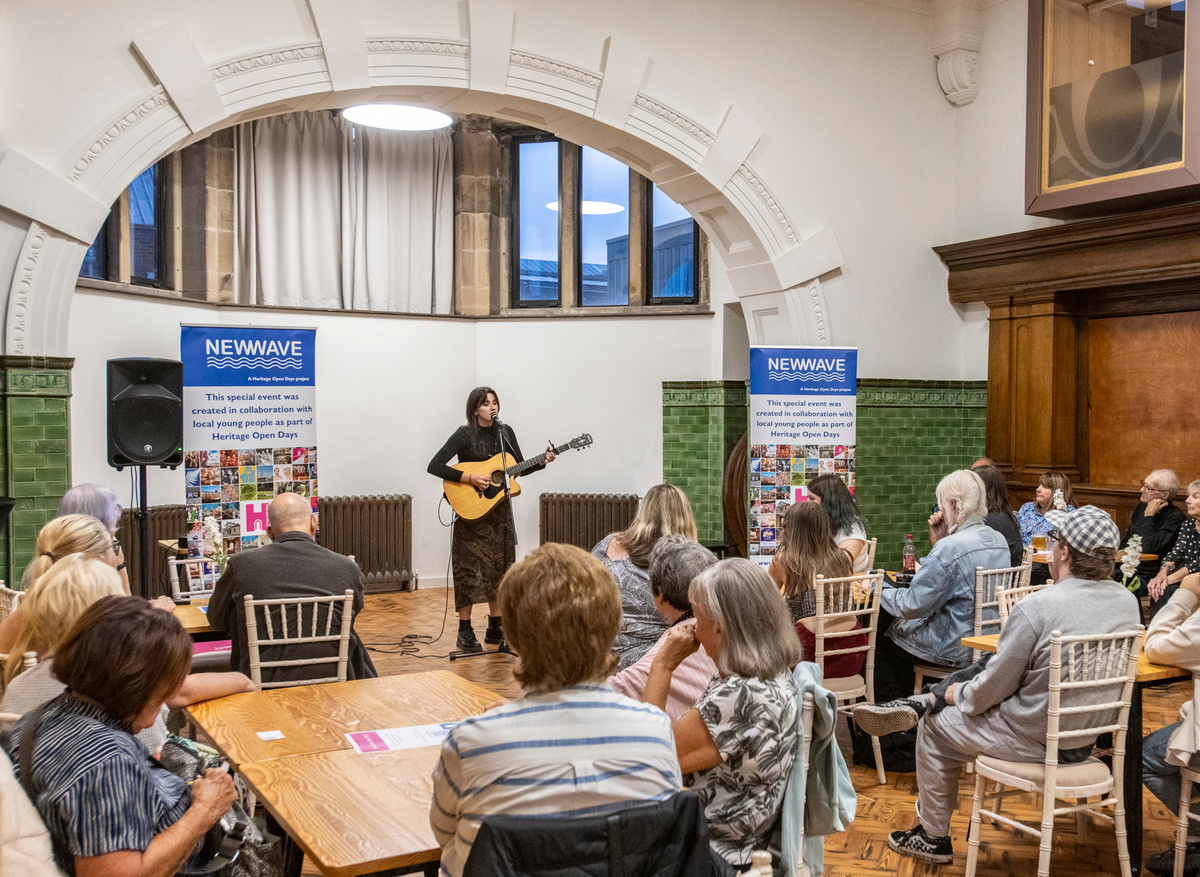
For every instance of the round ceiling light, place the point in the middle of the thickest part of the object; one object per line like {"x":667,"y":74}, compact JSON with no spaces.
{"x":397,"y":117}
{"x":592,"y":207}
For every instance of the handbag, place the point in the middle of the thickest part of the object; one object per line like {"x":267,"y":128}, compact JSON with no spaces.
{"x":237,"y":845}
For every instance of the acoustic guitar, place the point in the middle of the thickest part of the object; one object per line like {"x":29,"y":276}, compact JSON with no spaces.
{"x":470,"y":503}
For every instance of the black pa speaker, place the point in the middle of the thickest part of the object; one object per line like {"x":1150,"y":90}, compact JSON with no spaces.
{"x":145,"y":412}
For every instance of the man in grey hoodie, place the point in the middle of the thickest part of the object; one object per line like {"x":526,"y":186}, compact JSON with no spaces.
{"x":999,"y":709}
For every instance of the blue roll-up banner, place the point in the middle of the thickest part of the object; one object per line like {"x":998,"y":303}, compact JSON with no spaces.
{"x":803,"y":407}
{"x":249,"y":426}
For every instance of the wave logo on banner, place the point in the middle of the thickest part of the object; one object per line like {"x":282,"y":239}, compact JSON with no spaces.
{"x":253,"y":353}
{"x":782,"y":368}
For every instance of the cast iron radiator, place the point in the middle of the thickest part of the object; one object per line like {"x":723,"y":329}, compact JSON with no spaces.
{"x":377,"y":530}
{"x":163,"y":522}
{"x":584,"y":519}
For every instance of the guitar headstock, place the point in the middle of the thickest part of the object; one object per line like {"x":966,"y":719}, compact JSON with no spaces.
{"x":580,"y":442}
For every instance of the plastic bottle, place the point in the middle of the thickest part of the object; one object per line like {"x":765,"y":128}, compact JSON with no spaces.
{"x":910,"y":555}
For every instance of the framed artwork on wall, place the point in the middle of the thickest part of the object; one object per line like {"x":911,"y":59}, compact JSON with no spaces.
{"x":1107,"y":129}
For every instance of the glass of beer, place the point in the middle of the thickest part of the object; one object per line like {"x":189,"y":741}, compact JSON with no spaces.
{"x":1039,"y":542}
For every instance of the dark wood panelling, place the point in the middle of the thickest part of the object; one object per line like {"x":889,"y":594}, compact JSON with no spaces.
{"x":1093,"y":329}
{"x":1143,"y":384}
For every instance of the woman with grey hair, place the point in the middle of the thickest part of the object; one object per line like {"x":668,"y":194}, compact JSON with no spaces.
{"x":101,"y":503}
{"x":926,"y":621}
{"x":738,"y":743}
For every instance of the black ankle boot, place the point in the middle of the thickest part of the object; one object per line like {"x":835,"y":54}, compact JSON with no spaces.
{"x":495,"y":633}
{"x":466,"y":637}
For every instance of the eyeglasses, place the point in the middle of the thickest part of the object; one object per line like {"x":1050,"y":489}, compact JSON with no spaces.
{"x":1055,"y":536}
{"x":1146,"y":487}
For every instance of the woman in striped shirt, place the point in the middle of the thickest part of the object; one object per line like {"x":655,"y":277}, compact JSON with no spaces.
{"x":111,"y":810}
{"x":570,"y":746}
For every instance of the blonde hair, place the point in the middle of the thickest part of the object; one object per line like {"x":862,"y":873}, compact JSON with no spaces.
{"x":70,"y":534}
{"x":664,"y":509}
{"x":806,"y":548}
{"x":561,"y":611}
{"x":56,"y":602}
{"x":967,"y":490}
{"x":758,"y":639}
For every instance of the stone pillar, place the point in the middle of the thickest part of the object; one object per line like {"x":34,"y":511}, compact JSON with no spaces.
{"x":482,"y":197}
{"x":206,"y":192}
{"x":35,"y":460}
{"x":702,"y":421}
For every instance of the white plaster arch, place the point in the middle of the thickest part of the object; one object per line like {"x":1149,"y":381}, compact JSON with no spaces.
{"x":706,"y":171}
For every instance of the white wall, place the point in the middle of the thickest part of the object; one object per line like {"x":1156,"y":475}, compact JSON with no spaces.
{"x":856,"y":135}
{"x":391,"y":390}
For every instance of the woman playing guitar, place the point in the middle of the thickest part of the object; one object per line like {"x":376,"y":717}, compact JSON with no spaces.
{"x":484,"y":548}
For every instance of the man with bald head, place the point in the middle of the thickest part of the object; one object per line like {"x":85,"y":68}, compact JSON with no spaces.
{"x":293,"y":565}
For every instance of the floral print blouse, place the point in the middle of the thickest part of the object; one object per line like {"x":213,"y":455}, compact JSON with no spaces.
{"x":755,"y":724}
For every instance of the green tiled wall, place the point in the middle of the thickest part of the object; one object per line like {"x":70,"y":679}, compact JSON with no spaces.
{"x":702,"y":421}
{"x":910,"y":434}
{"x":35,"y":465}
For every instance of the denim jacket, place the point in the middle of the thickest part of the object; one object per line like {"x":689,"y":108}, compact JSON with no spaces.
{"x":938,"y":609}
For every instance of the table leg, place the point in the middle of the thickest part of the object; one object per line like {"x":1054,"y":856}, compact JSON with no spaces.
{"x":1133,"y":780}
{"x":293,"y":856}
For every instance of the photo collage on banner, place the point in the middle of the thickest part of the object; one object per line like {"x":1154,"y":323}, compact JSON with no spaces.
{"x":249,"y":399}
{"x":803,"y":407}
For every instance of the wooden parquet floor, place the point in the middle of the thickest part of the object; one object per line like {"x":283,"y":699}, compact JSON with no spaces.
{"x":863,"y":850}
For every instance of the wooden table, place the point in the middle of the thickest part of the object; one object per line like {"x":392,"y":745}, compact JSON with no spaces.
{"x":351,"y":814}
{"x":1044,"y":557}
{"x":316,"y":718}
{"x":193,"y":618}
{"x":1147,"y":673}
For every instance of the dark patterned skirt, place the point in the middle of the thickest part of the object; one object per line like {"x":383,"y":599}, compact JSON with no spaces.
{"x":482,"y":551}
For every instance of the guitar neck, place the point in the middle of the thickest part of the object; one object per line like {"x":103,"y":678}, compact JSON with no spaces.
{"x":525,"y":466}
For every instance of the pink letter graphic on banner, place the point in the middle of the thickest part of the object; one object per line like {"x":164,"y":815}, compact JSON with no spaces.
{"x":803,"y":406}
{"x":249,"y":430}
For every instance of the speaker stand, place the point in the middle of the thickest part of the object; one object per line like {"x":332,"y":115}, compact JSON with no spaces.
{"x":143,"y":516}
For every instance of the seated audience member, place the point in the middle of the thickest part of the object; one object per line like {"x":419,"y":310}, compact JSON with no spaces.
{"x":937,"y":610}
{"x":1184,"y":556}
{"x":1157,"y":520}
{"x":999,"y":708}
{"x":1032,"y":515}
{"x":736,"y":747}
{"x":806,"y":549}
{"x":101,"y":503}
{"x":110,"y":809}
{"x":849,"y":526}
{"x":293,"y":565}
{"x":70,"y":534}
{"x":61,"y":597}
{"x":570,"y":746}
{"x":1174,"y":639}
{"x":674,"y":562}
{"x":664,"y":509}
{"x":1000,"y":515}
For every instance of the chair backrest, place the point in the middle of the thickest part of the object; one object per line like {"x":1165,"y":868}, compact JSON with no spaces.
{"x":871,"y":546}
{"x":842,"y":599}
{"x":200,"y":576}
{"x":987,"y":582}
{"x":9,"y":600}
{"x":1027,"y":565}
{"x":298,"y":621}
{"x":1091,"y":686}
{"x":664,"y":838}
{"x":1009,"y":597}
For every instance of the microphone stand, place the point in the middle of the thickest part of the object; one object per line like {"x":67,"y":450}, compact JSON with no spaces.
{"x":503,"y":648}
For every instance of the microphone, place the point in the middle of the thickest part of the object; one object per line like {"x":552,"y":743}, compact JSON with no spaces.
{"x":497,"y":421}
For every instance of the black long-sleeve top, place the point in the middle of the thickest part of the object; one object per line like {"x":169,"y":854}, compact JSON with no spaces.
{"x":459,"y":445}
{"x":1158,"y":534}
